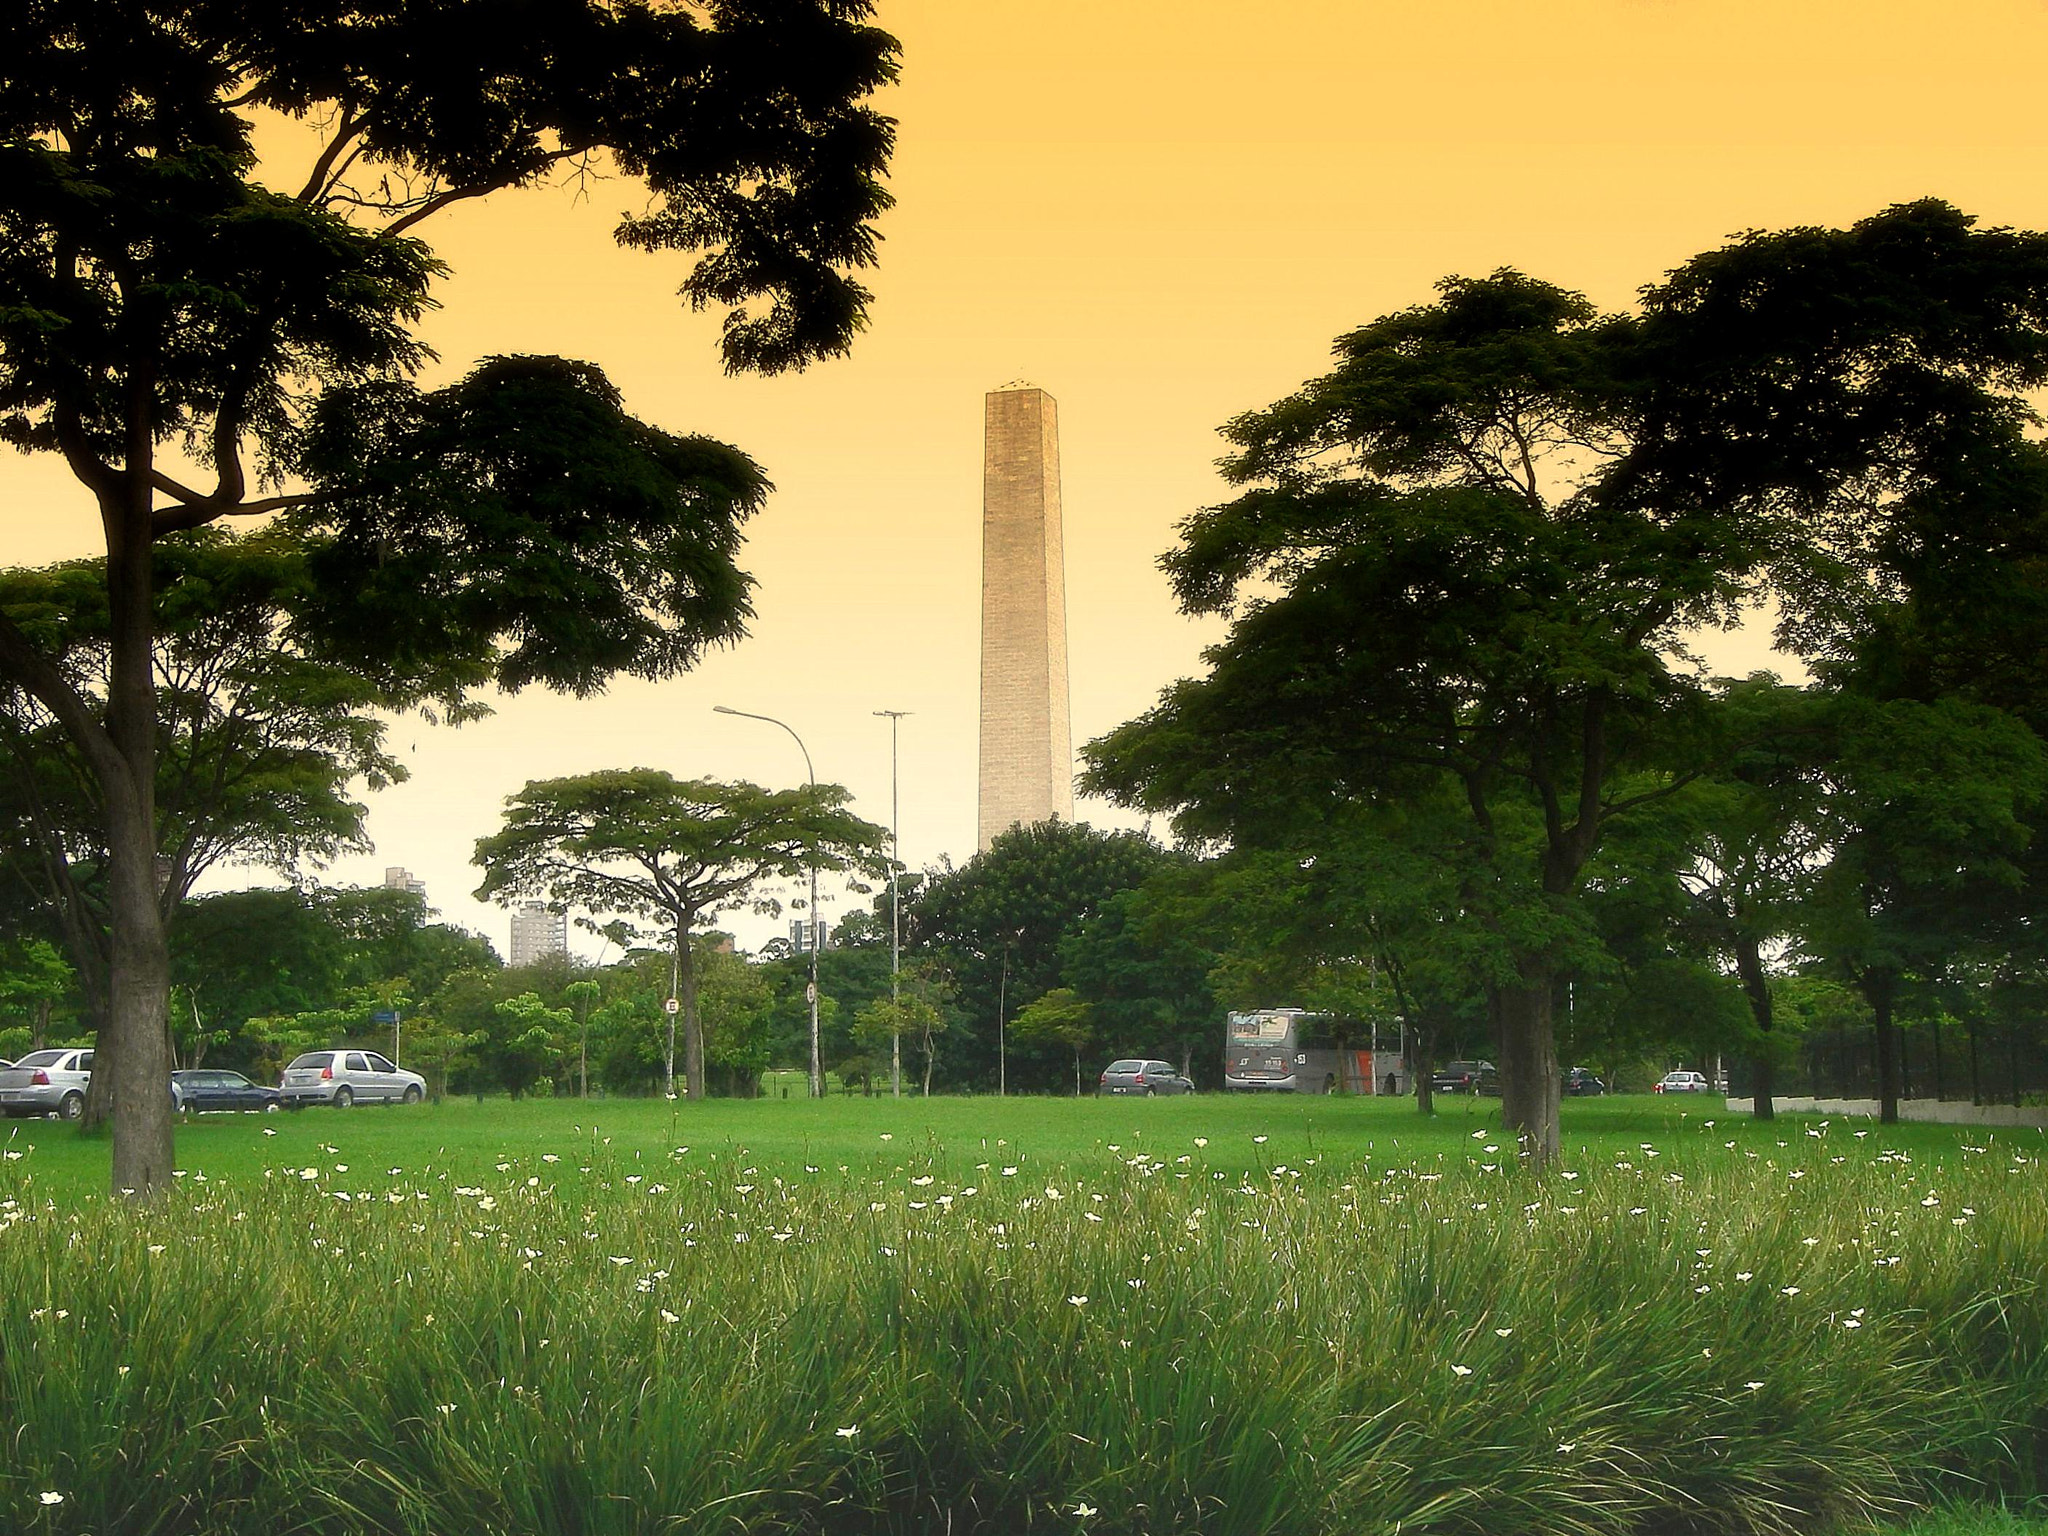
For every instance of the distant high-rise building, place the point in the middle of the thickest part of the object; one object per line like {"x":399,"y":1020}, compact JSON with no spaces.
{"x":398,"y":878}
{"x":1027,"y":750}
{"x":800,"y":934}
{"x":536,"y":932}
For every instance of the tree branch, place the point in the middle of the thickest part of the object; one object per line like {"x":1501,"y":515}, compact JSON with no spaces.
{"x":206,"y":510}
{"x":347,"y":126}
{"x":36,"y":674}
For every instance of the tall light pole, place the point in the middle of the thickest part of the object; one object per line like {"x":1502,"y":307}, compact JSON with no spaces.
{"x":894,"y":716}
{"x":810,"y":992}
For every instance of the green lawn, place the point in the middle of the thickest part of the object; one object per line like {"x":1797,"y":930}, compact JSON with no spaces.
{"x":466,"y":1138}
{"x":865,"y":1317}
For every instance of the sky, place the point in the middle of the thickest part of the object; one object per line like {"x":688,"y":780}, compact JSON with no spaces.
{"x":1162,"y":212}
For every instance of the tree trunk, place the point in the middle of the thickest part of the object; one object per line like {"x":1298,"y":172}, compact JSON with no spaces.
{"x":668,"y":1057}
{"x":1421,"y":1065}
{"x":132,"y":1055}
{"x":1878,"y":989}
{"x":1530,"y":1086}
{"x":693,"y":1026}
{"x":1749,"y":964}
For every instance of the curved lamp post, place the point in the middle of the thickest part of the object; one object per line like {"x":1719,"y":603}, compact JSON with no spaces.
{"x":811,"y":992}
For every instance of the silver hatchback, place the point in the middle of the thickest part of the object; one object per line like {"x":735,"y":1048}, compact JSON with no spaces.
{"x":1145,"y":1078}
{"x":347,"y":1077}
{"x":47,"y":1082}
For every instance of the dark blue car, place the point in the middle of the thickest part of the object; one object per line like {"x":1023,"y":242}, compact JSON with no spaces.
{"x":197,"y":1091}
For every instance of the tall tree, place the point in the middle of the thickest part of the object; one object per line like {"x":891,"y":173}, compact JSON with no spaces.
{"x":1459,"y":609}
{"x":168,"y":321}
{"x":1866,"y":395}
{"x":641,"y":844}
{"x":261,"y":740}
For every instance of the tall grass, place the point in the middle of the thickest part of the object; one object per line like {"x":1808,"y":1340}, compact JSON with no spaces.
{"x":1148,"y":1342}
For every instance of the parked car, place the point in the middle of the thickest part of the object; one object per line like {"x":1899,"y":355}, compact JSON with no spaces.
{"x":1580,"y":1082}
{"x":1143,"y":1077}
{"x":346,"y":1077}
{"x":1683,"y":1082}
{"x":1465,"y":1077}
{"x":198,"y":1091}
{"x":47,"y":1082}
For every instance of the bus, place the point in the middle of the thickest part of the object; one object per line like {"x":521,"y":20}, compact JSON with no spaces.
{"x":1289,"y":1050}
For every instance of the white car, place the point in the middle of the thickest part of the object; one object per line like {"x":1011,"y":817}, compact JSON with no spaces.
{"x":47,"y":1082}
{"x":1684,"y":1082}
{"x":345,"y":1077}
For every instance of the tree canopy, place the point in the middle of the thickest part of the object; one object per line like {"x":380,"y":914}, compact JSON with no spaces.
{"x":202,"y":335}
{"x":641,"y":844}
{"x":1465,"y":563}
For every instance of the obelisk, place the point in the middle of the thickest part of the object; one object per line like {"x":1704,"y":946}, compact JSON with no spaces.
{"x":1027,"y":750}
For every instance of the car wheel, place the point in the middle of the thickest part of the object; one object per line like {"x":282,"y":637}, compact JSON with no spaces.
{"x":1330,"y":1082}
{"x":412,"y":1093}
{"x":1151,"y":1093}
{"x":71,"y":1106}
{"x":271,"y":1106}
{"x":344,"y":1097}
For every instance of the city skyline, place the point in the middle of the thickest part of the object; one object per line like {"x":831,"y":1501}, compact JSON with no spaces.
{"x":1164,"y":216}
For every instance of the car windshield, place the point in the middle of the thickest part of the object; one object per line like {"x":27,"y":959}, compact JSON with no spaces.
{"x":1127,"y":1066}
{"x":311,"y":1059}
{"x":40,"y":1059}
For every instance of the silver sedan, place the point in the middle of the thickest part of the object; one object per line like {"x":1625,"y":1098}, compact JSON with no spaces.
{"x":47,"y":1082}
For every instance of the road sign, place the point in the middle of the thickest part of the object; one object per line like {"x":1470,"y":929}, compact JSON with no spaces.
{"x":672,"y":1006}
{"x":384,"y":1016}
{"x":810,"y":991}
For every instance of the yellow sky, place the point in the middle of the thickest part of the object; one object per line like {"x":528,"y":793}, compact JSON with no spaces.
{"x":1161,"y":211}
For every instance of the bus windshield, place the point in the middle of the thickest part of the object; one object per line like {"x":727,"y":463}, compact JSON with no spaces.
{"x":1261,"y":1028}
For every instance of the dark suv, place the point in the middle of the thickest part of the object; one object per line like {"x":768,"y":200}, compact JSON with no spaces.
{"x":1465,"y":1077}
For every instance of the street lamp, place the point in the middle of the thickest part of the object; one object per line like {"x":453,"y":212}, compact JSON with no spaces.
{"x":895,"y":912}
{"x":810,"y":992}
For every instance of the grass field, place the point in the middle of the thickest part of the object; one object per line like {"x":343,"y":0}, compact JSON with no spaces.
{"x":466,"y":1138}
{"x":1204,"y":1315}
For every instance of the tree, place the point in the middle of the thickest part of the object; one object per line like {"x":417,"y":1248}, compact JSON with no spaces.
{"x":154,"y":292}
{"x":250,"y":954}
{"x":998,"y":921}
{"x":1867,"y":396}
{"x":259,"y":741}
{"x":1928,"y":804}
{"x":848,"y":981}
{"x":1461,"y":611}
{"x":1061,"y":1015}
{"x":583,"y":996}
{"x":920,"y":1009}
{"x":35,"y":981}
{"x":639,"y":843}
{"x":1358,"y":911}
{"x":529,"y":1036}
{"x":1146,"y":971}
